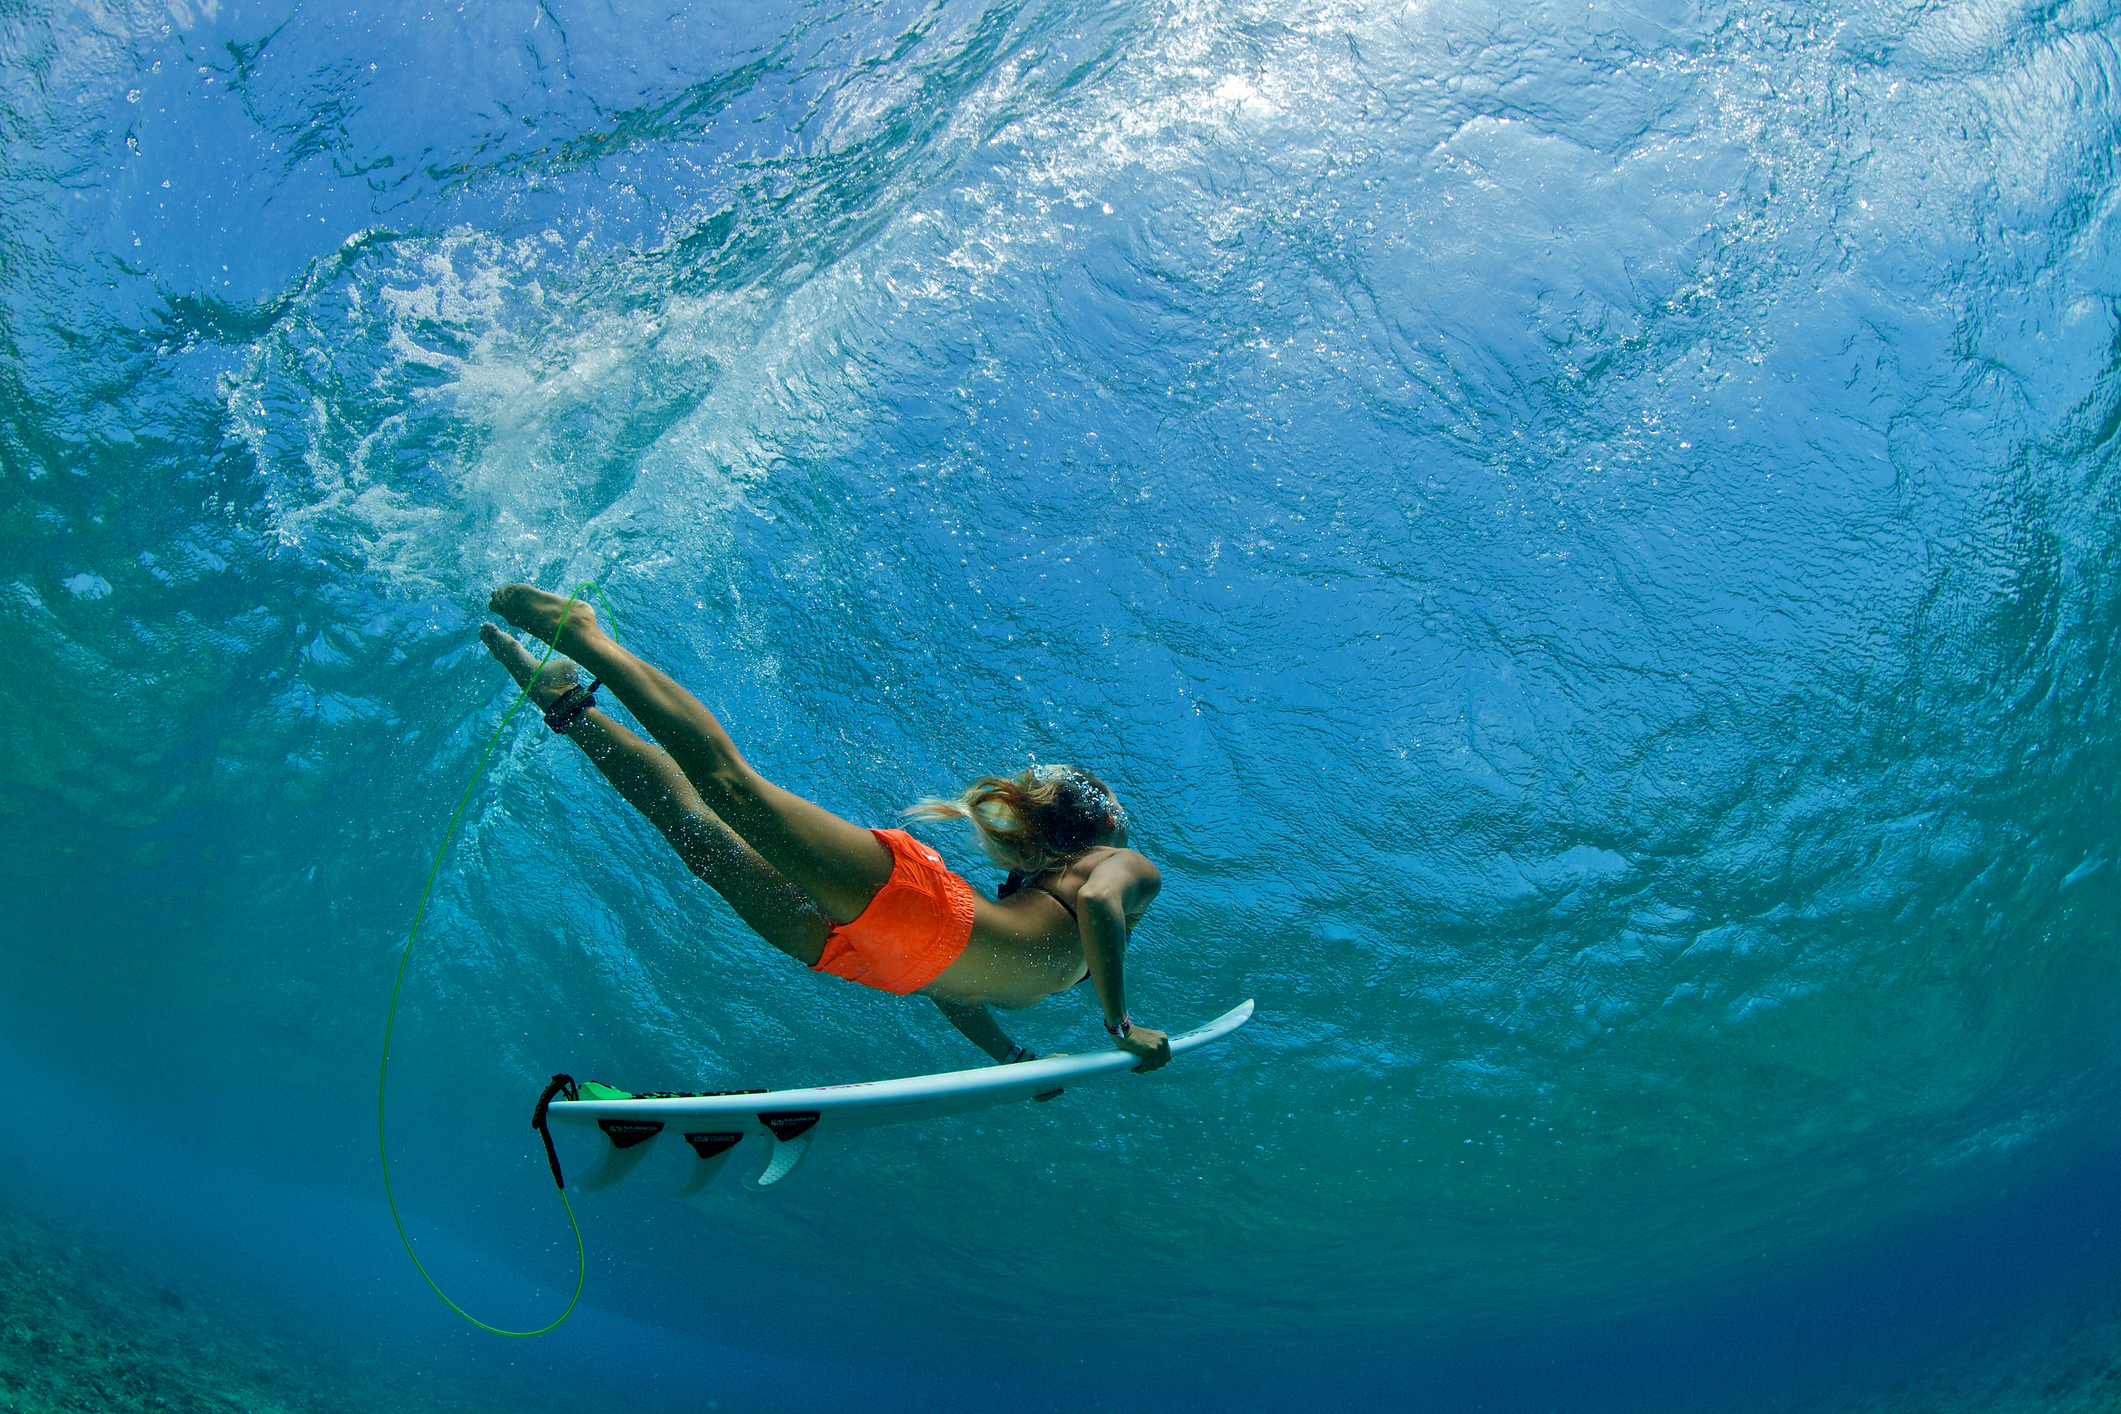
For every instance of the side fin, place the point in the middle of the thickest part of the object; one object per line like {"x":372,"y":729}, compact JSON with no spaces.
{"x":787,"y":1124}
{"x":629,"y":1145}
{"x":785,"y":1155}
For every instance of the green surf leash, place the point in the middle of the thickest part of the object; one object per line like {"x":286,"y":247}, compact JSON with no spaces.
{"x":390,"y":1020}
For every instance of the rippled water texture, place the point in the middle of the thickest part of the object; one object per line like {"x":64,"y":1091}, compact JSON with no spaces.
{"x":1586,"y":536}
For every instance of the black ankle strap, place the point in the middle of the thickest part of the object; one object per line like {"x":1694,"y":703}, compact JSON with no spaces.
{"x":570,"y":705}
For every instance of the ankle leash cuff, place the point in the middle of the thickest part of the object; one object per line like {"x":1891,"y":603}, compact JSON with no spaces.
{"x":570,"y":705}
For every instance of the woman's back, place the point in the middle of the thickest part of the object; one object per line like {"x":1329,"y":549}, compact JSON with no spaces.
{"x":1028,"y":944}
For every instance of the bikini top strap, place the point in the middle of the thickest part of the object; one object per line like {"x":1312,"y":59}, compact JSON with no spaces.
{"x":1052,"y":895}
{"x":1019,"y":881}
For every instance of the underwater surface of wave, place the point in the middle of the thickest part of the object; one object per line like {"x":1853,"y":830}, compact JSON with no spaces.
{"x":1586,"y":539}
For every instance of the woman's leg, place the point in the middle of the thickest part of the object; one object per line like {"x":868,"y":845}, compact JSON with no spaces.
{"x":650,"y":781}
{"x":839,"y":864}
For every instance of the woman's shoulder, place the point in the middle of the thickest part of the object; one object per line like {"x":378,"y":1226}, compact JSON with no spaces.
{"x":1095,"y":858}
{"x":1119,"y":866}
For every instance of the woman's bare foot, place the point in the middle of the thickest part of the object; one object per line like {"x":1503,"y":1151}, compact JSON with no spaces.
{"x":540,"y":614}
{"x":549,"y":685}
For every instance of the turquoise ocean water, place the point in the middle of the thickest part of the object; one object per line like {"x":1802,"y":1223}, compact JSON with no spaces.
{"x":1586,"y":535}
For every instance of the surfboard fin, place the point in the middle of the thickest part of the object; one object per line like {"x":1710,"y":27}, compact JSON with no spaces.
{"x":791,"y":1140}
{"x":786,"y":1154}
{"x":712,"y":1148}
{"x":629,"y":1145}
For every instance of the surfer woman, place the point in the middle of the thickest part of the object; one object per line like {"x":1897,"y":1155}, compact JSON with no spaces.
{"x":873,"y":906}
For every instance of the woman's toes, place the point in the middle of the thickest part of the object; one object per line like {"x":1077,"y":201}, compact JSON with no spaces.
{"x":522,"y":665}
{"x":508,"y":653}
{"x":506,"y":602}
{"x":542,"y":614}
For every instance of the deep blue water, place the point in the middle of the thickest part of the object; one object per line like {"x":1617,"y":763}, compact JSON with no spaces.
{"x":1586,"y":537}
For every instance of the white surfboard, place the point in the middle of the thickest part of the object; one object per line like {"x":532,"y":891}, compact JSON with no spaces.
{"x":714,"y":1125}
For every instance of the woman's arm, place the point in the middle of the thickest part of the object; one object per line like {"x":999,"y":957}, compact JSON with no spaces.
{"x":1119,"y":888}
{"x":980,"y":1028}
{"x":977,"y":1025}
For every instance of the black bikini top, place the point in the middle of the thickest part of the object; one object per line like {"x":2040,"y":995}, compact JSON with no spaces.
{"x":1016,"y":882}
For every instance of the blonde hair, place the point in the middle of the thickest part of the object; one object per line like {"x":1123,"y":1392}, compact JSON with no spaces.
{"x":1034,"y":820}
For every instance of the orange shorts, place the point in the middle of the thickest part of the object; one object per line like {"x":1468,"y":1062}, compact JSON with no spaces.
{"x":914,"y":928}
